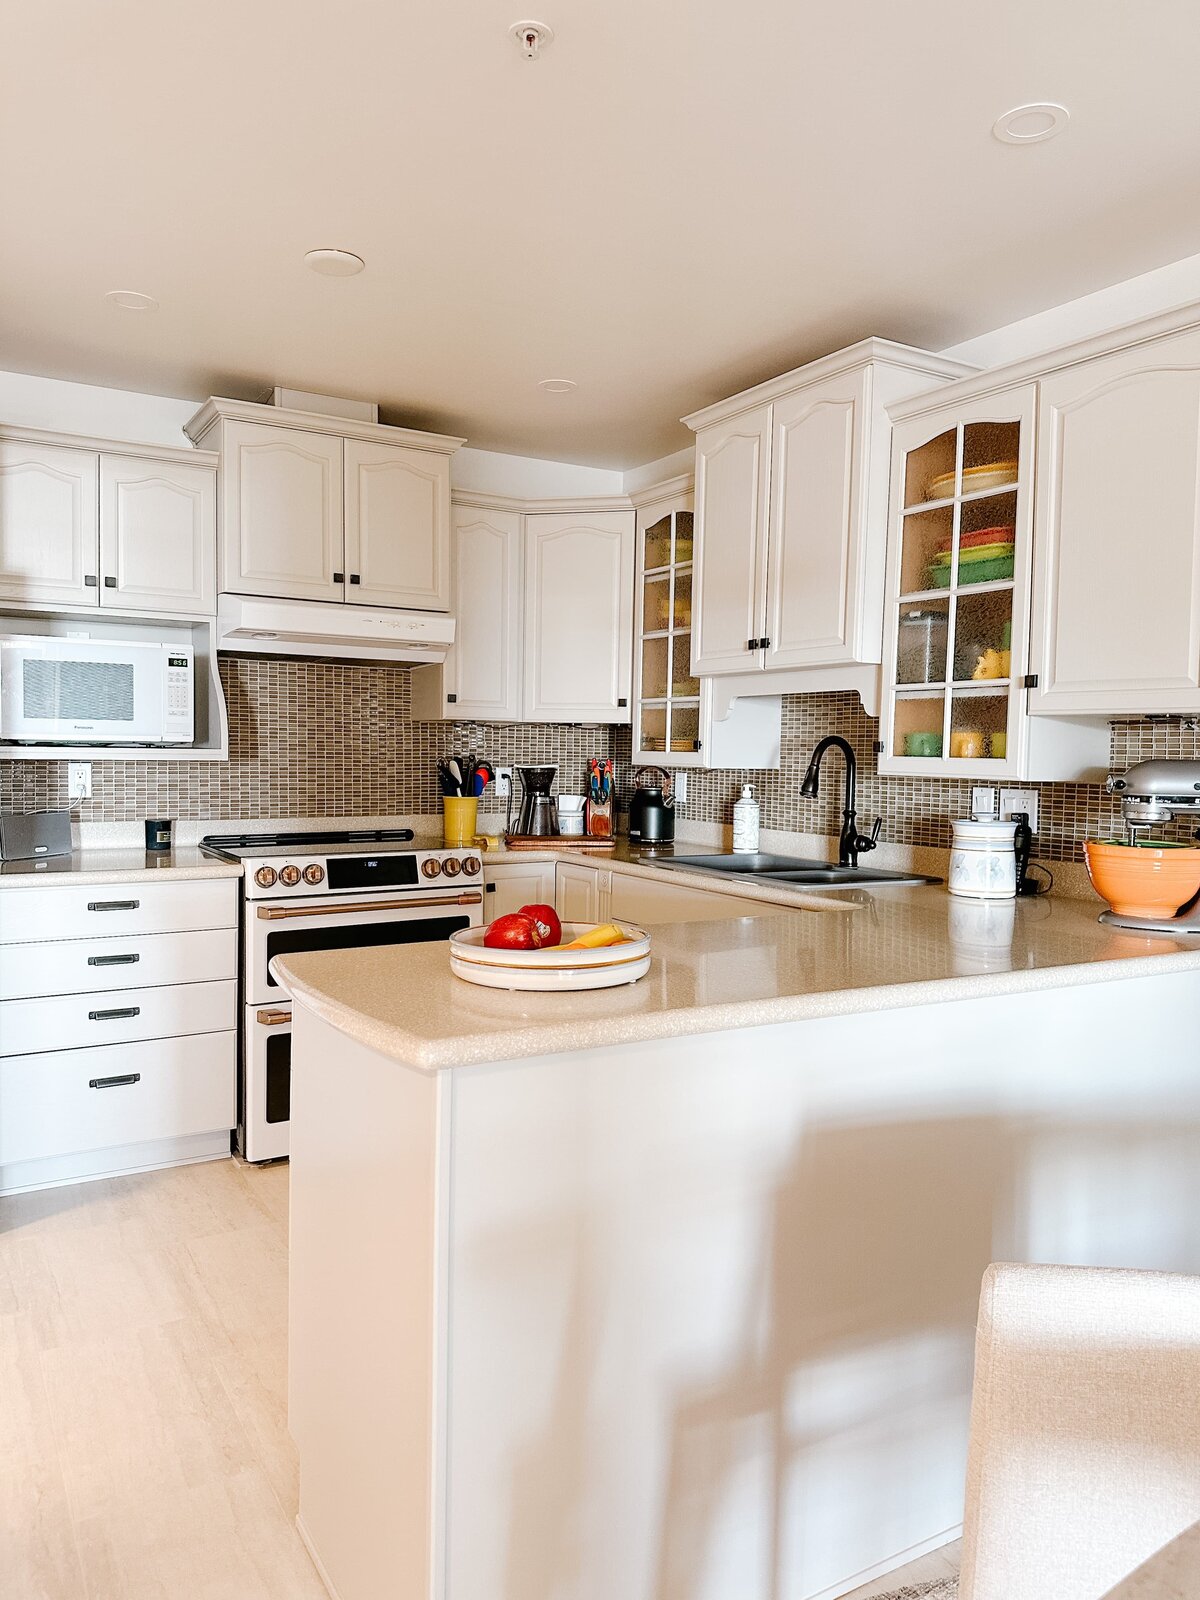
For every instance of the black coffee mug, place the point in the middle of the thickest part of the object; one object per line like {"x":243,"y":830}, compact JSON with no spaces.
{"x":158,"y":833}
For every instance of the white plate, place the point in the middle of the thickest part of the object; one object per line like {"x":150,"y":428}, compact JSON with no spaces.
{"x":553,"y":968}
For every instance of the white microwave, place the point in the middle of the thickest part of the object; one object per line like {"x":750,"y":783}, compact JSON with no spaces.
{"x":94,"y":691}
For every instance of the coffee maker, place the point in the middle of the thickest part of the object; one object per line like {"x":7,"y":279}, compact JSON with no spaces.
{"x":538,"y":816}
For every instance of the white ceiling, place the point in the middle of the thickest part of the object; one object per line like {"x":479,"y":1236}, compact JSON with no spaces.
{"x":680,"y":198}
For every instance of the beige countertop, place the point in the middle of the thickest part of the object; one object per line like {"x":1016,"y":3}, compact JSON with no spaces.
{"x":117,"y":866}
{"x":899,"y":947}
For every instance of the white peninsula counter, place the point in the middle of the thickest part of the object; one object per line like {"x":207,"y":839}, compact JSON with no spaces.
{"x":669,"y":1292}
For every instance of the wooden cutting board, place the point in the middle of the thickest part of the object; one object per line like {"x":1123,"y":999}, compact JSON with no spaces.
{"x":557,"y":841}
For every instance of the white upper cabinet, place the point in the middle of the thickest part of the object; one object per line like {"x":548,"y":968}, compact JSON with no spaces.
{"x":729,"y":586}
{"x":1116,"y":620}
{"x":48,"y":500}
{"x":578,"y":616}
{"x":791,"y":513}
{"x":281,"y":529}
{"x":397,"y":526}
{"x":817,"y":540}
{"x":328,"y":508}
{"x":482,"y":674}
{"x":156,"y":535}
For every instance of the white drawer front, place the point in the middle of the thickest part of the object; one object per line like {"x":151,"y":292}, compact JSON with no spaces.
{"x":70,"y":1022}
{"x":82,"y":966}
{"x":48,"y":1106}
{"x":112,"y":910}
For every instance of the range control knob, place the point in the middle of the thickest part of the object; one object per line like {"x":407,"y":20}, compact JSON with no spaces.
{"x":314,"y":872}
{"x":289,"y":875}
{"x":265,"y":877}
{"x":452,"y":866}
{"x":431,"y":868}
{"x":471,"y":867}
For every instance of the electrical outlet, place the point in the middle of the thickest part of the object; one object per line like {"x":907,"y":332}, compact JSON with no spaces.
{"x":679,"y":787}
{"x":79,"y":780}
{"x":983,"y":802}
{"x":503,"y":780}
{"x":1012,"y":800}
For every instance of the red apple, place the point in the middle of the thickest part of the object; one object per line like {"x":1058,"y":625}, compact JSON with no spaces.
{"x":513,"y":932}
{"x":547,"y":920}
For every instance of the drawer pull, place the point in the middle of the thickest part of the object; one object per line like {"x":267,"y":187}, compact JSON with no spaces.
{"x":112,"y":961}
{"x":115,"y":1014}
{"x":115,"y":1083}
{"x":113,"y":905}
{"x":273,"y":1018}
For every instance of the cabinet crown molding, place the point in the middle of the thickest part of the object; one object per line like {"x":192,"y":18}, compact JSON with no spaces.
{"x":993,"y":380}
{"x":114,"y":447}
{"x":666,"y":489}
{"x":922,"y":363}
{"x":219,"y":409}
{"x":558,"y":503}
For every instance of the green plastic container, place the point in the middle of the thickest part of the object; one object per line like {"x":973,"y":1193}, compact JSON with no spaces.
{"x":971,"y":572}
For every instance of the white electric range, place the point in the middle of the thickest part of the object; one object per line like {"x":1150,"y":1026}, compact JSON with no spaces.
{"x":326,"y":891}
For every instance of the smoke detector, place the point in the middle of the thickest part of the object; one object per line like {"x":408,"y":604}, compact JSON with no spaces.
{"x":531,"y":36}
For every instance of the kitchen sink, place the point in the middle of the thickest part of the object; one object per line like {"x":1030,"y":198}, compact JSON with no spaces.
{"x":792,"y":870}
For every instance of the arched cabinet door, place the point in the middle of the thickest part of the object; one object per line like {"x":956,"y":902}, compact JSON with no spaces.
{"x":281,"y":526}
{"x":732,"y":487}
{"x":157,"y":535}
{"x":48,"y":544}
{"x":1116,"y":618}
{"x":578,"y":616}
{"x":397,"y":526}
{"x":482,"y":675}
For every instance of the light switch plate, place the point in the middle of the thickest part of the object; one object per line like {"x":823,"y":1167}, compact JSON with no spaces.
{"x":983,"y":801}
{"x":1026,"y":800}
{"x":679,"y":786}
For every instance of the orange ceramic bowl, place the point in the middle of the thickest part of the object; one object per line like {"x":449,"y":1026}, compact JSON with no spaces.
{"x":1143,"y":880}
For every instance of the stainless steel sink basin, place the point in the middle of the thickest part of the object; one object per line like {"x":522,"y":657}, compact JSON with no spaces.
{"x":794,"y":871}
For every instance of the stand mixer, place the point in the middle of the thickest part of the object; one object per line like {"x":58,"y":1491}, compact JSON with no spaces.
{"x":1153,"y":792}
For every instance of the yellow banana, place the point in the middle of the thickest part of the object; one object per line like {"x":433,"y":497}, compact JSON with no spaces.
{"x":597,"y":938}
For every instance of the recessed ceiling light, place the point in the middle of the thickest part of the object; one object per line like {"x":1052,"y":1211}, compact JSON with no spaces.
{"x":558,"y":385}
{"x":131,"y":300}
{"x":334,"y":263}
{"x":1031,"y":124}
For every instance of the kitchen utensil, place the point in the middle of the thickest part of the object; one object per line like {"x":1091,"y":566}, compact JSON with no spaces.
{"x":600,"y":794}
{"x":988,"y":571}
{"x":966,"y":744}
{"x":981,"y":536}
{"x":991,"y":475}
{"x":921,"y":650}
{"x":922,"y":744}
{"x":459,"y":820}
{"x":652,"y":809}
{"x":554,"y":968}
{"x":538,"y":816}
{"x":983,"y":862}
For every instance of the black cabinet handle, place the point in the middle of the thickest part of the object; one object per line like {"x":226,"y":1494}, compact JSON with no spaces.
{"x":91,"y":581}
{"x":622,"y":701}
{"x":339,"y":577}
{"x":355,"y":578}
{"x":115,"y":1083}
{"x":113,"y":905}
{"x":116,"y":1014}
{"x":451,"y":699}
{"x":112,"y":961}
{"x":489,"y":888}
{"x":110,"y":583}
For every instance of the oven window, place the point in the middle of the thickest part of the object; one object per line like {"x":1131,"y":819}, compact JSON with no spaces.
{"x":89,"y":691}
{"x":358,"y":936}
{"x":279,"y":1077}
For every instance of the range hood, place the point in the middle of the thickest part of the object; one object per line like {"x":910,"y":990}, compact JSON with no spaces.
{"x":251,"y":625}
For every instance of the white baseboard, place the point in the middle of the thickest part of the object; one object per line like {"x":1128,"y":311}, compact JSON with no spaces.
{"x":315,"y":1558}
{"x":882,"y":1568}
{"x":18,"y":1177}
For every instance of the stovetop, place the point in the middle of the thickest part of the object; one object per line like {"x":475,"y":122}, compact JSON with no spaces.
{"x":241,"y":846}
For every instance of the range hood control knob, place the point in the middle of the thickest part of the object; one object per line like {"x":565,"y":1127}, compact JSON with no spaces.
{"x":314,"y":872}
{"x":265,"y":877}
{"x":431,"y":868}
{"x":289,"y":875}
{"x":452,"y":866}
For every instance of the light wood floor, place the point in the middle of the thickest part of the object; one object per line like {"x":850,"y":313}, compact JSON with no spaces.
{"x":144,"y":1451}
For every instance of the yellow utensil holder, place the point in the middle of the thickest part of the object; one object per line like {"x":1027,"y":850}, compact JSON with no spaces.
{"x":459,"y":820}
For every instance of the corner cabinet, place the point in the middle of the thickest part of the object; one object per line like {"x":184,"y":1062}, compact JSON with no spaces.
{"x":673,"y":714}
{"x":791,"y":520}
{"x":543,"y":607}
{"x":85,"y":524}
{"x":959,"y":571}
{"x":324,"y":508}
{"x":1117,"y":588}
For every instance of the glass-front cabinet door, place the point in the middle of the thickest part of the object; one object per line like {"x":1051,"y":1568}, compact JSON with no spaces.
{"x":666,"y":716}
{"x":958,"y":590}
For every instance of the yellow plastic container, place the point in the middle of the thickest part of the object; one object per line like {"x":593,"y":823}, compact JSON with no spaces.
{"x":459,"y":820}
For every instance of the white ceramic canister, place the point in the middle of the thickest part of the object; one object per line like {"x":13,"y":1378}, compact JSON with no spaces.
{"x":983,"y":861}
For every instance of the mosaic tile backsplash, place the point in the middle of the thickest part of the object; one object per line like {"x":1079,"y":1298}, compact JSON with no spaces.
{"x":323,"y":738}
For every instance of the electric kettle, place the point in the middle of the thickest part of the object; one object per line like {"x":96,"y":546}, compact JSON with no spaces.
{"x":652,"y":809}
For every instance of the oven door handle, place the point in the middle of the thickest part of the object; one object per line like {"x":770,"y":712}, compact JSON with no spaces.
{"x":282,"y":913}
{"x":273,"y":1018}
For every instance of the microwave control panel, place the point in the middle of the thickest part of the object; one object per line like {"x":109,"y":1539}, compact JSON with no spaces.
{"x":178,"y":710}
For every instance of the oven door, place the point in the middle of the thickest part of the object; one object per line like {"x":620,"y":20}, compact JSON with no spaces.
{"x":265,"y":1103}
{"x":348,"y":922}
